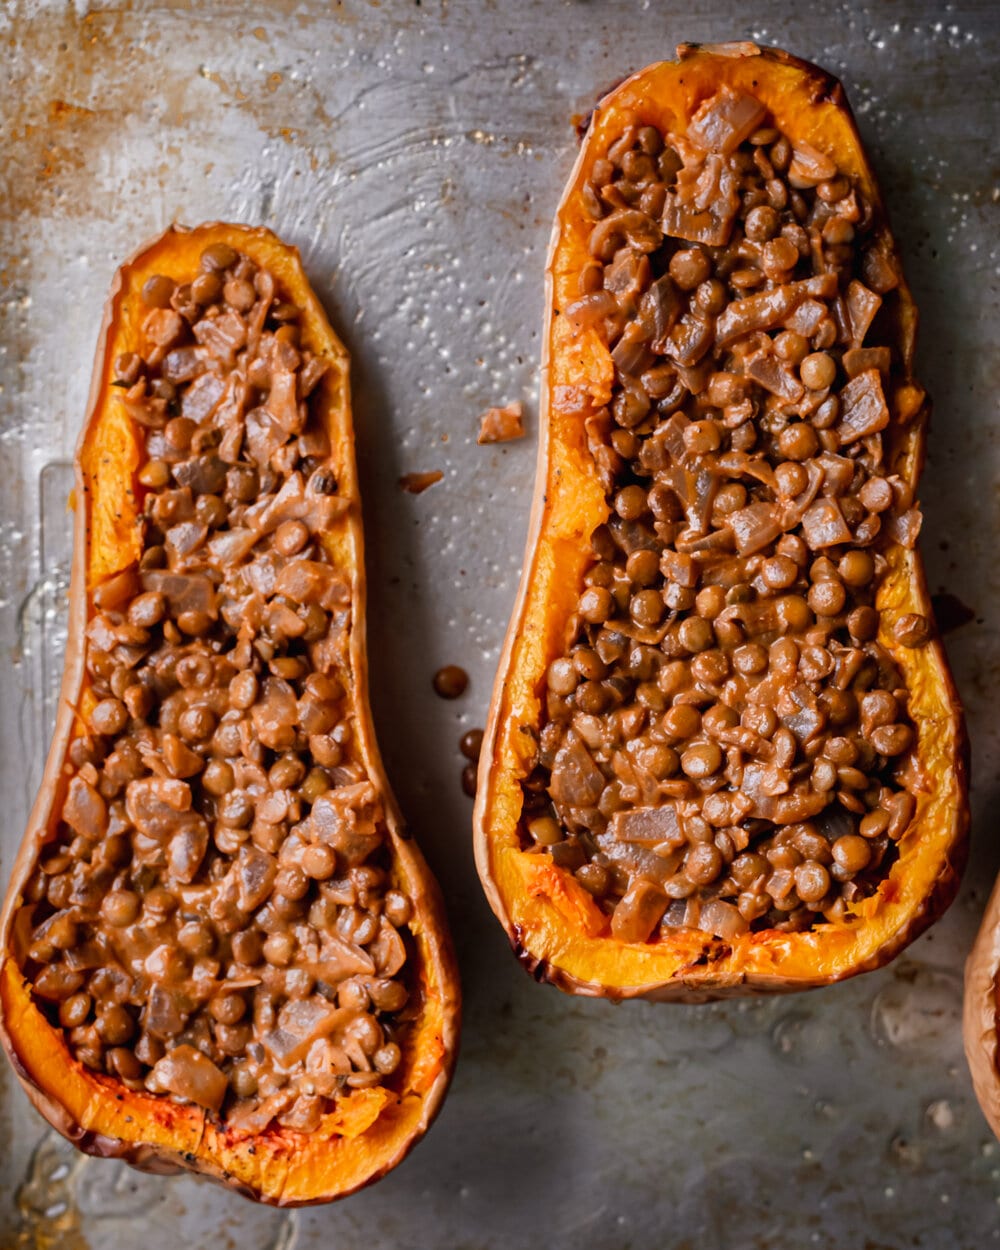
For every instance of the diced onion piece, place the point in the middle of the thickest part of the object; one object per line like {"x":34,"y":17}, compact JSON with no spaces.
{"x":631,"y":355}
{"x":824,"y":526}
{"x":755,"y":312}
{"x":838,"y":473}
{"x":184,"y":592}
{"x":805,"y":724}
{"x":340,"y":959}
{"x":155,"y":805}
{"x":638,"y":912}
{"x":299,"y":1024}
{"x":388,"y":950}
{"x":84,"y":810}
{"x":806,"y":318}
{"x":649,"y":825}
{"x":162,"y":1016}
{"x":721,"y":919}
{"x":275,"y":714}
{"x":162,"y":328}
{"x":724,"y":120}
{"x":228,"y":548}
{"x":282,"y":402}
{"x":202,"y":396}
{"x":775,"y":376}
{"x":705,"y":204}
{"x":690,"y":339}
{"x":254,"y":1117}
{"x":905,"y":528}
{"x":629,"y":225}
{"x":862,"y":305}
{"x":255,"y":873}
{"x":754,"y":527}
{"x":863,"y":409}
{"x":880,"y":266}
{"x":768,"y":309}
{"x":857,"y":359}
{"x":810,"y":166}
{"x":223,"y":336}
{"x":659,"y":309}
{"x":184,"y":538}
{"x":186,"y":850}
{"x":576,"y":779}
{"x":313,"y":581}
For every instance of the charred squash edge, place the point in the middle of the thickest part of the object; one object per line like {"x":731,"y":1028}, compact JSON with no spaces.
{"x":554,"y":927}
{"x":369,"y":1131}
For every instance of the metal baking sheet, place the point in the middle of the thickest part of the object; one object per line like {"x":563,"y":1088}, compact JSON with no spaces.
{"x":415,"y":153}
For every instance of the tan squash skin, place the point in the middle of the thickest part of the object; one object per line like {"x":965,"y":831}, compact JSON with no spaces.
{"x":369,"y":1131}
{"x":553,"y":925}
{"x":980,"y":1012}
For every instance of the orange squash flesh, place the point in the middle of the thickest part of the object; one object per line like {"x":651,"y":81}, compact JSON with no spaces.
{"x":555,"y":927}
{"x":368,"y":1131}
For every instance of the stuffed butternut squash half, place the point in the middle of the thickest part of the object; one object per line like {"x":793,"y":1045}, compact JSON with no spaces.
{"x":724,"y":753}
{"x":218,"y":949}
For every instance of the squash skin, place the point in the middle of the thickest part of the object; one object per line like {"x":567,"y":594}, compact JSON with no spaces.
{"x":364,"y":1137}
{"x":549,"y":919}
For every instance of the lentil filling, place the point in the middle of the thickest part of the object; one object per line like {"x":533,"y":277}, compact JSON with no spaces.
{"x":215,"y":919}
{"x":724,"y":741}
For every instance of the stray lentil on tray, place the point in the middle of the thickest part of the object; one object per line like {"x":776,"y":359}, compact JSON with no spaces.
{"x":214,"y":920}
{"x":724,"y":740}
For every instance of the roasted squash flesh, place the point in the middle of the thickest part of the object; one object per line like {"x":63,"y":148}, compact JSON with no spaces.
{"x":219,"y":951}
{"x":725,"y":752}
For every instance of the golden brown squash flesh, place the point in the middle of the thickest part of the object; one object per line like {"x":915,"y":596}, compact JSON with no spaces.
{"x":364,"y":1130}
{"x":551,"y":913}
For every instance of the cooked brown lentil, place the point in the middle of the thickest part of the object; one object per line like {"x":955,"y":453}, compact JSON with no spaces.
{"x":215,"y":919}
{"x":722,"y":739}
{"x":470,"y":744}
{"x":450,"y":682}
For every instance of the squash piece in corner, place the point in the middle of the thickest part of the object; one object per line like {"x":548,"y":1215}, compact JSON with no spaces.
{"x":981,"y":1012}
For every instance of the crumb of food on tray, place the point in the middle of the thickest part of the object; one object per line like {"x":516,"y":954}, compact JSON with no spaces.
{"x":417,"y":483}
{"x":502,"y":425}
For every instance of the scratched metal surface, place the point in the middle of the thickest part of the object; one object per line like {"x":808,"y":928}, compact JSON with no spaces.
{"x":415,"y":153}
